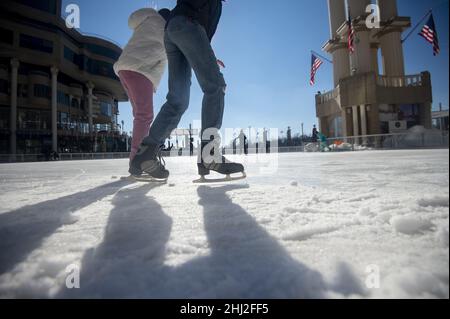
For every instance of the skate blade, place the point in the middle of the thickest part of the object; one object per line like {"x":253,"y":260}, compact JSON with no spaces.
{"x":227,"y":179}
{"x":143,"y":179}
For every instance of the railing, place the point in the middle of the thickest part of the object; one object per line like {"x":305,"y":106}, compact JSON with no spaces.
{"x":328,"y":96}
{"x":410,"y":140}
{"x":8,"y":158}
{"x":400,"y":81}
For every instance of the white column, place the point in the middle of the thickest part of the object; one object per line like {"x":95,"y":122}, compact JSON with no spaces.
{"x":13,"y":119}
{"x":90,"y":87}
{"x":392,"y":53}
{"x":355,"y":121}
{"x":362,"y":109}
{"x":391,"y":43}
{"x":54,"y":72}
{"x":336,"y":15}
{"x":361,"y":59}
{"x":341,"y":59}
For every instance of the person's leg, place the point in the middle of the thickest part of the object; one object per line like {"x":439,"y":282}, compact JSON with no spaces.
{"x":140,"y":91}
{"x":193,"y":42}
{"x":177,"y":99}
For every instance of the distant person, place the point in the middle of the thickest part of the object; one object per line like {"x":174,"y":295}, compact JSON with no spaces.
{"x":315,"y":135}
{"x":191,"y":146}
{"x":242,"y":142}
{"x":141,"y":67}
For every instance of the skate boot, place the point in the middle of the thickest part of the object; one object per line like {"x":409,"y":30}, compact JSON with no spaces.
{"x":148,"y":164}
{"x":220,"y":165}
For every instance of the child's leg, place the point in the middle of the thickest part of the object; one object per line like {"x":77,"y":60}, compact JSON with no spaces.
{"x":140,"y":91}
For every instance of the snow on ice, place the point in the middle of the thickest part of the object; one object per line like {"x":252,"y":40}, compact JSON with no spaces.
{"x":314,"y":228}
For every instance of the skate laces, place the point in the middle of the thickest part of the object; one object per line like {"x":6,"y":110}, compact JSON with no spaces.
{"x":161,"y":160}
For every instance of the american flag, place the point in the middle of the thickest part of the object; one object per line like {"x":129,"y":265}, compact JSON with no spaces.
{"x":315,"y":65}
{"x":430,"y":34}
{"x":351,"y":35}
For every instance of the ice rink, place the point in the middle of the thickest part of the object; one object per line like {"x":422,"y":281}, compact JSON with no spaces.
{"x":318,"y":225}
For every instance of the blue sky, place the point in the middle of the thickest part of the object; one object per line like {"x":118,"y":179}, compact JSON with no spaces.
{"x":266,"y":47}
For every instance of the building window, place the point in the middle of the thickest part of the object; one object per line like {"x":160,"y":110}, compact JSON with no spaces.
{"x":103,"y":51}
{"x":63,"y":120}
{"x":4,"y":87}
{"x":43,"y":5}
{"x":38,"y":44}
{"x":4,"y":119}
{"x":410,"y":114}
{"x":75,"y":104}
{"x":76,"y":59}
{"x":102,"y":68}
{"x":63,"y":98}
{"x":106,"y":109}
{"x":22,"y":90}
{"x":6,"y":36}
{"x":33,"y":120}
{"x":42,"y":91}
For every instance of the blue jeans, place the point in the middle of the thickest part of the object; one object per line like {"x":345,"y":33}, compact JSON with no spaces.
{"x":188,"y":46}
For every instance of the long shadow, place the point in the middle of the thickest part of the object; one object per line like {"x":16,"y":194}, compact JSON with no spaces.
{"x":245,"y":261}
{"x":132,"y":251}
{"x":24,"y":229}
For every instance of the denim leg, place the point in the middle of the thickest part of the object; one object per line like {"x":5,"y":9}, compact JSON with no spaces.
{"x":178,"y":97}
{"x":191,"y":38}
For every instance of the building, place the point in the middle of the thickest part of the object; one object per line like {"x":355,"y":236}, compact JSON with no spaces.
{"x":440,"y":120}
{"x":58,"y":90}
{"x":365,"y":100}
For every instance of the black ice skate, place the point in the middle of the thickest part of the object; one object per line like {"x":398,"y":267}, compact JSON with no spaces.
{"x":219,"y":165}
{"x":148,"y":165}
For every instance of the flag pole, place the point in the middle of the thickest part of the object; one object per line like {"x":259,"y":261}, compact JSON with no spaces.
{"x":417,"y":25}
{"x":321,"y":56}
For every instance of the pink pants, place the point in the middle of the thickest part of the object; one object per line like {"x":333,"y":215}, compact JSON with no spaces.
{"x":140,"y":91}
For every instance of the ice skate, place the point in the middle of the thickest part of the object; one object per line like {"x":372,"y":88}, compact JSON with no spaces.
{"x":148,"y":165}
{"x":222,"y":166}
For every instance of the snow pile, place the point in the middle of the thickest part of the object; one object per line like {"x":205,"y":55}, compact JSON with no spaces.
{"x":410,"y":225}
{"x":417,"y":136}
{"x":312,"y":147}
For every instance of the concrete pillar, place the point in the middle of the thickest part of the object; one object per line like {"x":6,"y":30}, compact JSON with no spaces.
{"x":355,"y":121}
{"x":362,"y":110}
{"x":425,"y":115}
{"x":341,"y":59}
{"x":90,"y":86}
{"x":374,"y":66}
{"x":388,"y":9}
{"x":323,"y":126}
{"x":358,"y":7}
{"x":336,"y":15}
{"x":13,"y":115}
{"x":54,"y":72}
{"x":347,"y":114}
{"x":391,"y":43}
{"x":392,"y":54}
{"x":361,"y":60}
{"x":341,"y":64}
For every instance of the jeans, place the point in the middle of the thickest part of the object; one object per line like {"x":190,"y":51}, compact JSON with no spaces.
{"x":188,"y":47}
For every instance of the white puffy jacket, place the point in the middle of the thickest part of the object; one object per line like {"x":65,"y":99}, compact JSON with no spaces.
{"x":145,"y":52}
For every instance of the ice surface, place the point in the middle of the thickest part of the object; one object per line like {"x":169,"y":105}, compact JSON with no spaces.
{"x":310,"y":229}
